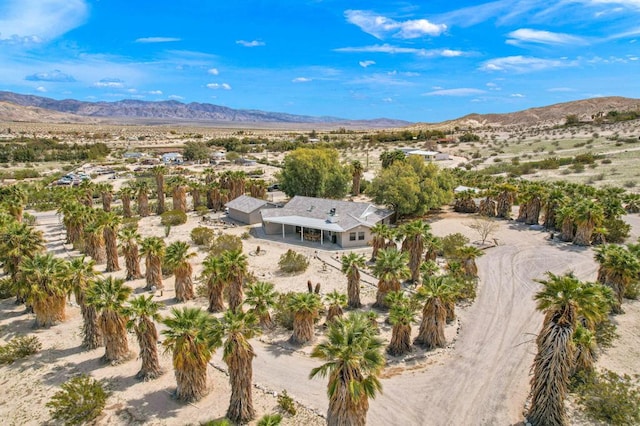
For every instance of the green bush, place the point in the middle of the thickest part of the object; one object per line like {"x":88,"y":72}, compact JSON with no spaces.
{"x":270,"y":420}
{"x":293,"y":262}
{"x":224,"y":243}
{"x":617,"y":230}
{"x":6,"y":288}
{"x":202,"y":236}
{"x":173,"y":218}
{"x":81,"y":400}
{"x":610,"y":398}
{"x":283,"y":315}
{"x":202,"y":210}
{"x":451,"y":243}
{"x":286,"y":403}
{"x":18,"y":348}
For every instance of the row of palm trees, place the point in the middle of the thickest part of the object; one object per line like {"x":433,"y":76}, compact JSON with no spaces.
{"x":581,"y":214}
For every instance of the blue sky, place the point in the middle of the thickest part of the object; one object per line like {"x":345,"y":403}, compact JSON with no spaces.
{"x":418,"y":61}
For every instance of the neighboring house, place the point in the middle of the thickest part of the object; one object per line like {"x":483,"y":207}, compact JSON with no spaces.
{"x":218,"y":156}
{"x":426,"y":155}
{"x":246,"y":162}
{"x":245,"y":209}
{"x":345,"y":223}
{"x":172,"y":158}
{"x":135,"y":155}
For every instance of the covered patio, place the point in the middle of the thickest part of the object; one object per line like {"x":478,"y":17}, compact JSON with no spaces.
{"x":304,"y":228}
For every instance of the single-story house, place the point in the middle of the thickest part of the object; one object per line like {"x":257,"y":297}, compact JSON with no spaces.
{"x":427,"y":155}
{"x":172,"y":158}
{"x":345,"y":223}
{"x":133,"y":154}
{"x":245,"y":209}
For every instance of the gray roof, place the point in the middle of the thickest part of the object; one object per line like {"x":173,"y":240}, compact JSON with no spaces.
{"x":316,"y":213}
{"x":246,"y":204}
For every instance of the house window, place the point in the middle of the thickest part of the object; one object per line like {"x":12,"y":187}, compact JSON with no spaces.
{"x":352,"y":236}
{"x":360,"y":236}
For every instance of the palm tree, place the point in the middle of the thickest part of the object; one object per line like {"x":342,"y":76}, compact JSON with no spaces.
{"x":94,"y":239}
{"x":585,"y":350}
{"x":565,"y":215}
{"x":401,"y":315}
{"x":234,"y":266}
{"x":177,"y":258}
{"x":356,"y":174}
{"x":435,"y":292}
{"x":353,"y":361}
{"x":153,"y":248}
{"x":191,"y":338}
{"x":111,"y":222}
{"x":238,"y":327}
{"x":336,"y":302}
{"x":214,"y":278}
{"x":143,"y":314}
{"x":106,"y":194}
{"x":261,"y":296}
{"x":380,"y":231}
{"x":18,"y":241}
{"x":129,"y":239}
{"x":467,"y":256}
{"x":108,"y":296}
{"x":505,"y":200}
{"x":351,"y":265}
{"x":563,"y":300}
{"x":158,"y":174}
{"x":619,"y":267}
{"x":390,"y":269}
{"x":196,"y":189}
{"x":14,"y":198}
{"x":415,"y":234}
{"x":82,"y":275}
{"x":305,"y":307}
{"x":143,"y":198}
{"x":433,"y":246}
{"x":126,"y":193}
{"x":179,"y":193}
{"x":588,"y":216}
{"x":552,"y":200}
{"x":46,"y":283}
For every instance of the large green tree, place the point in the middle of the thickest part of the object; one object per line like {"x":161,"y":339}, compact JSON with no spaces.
{"x":314,"y":172}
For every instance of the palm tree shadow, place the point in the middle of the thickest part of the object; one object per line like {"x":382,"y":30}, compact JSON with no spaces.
{"x":162,"y":403}
{"x":281,"y":348}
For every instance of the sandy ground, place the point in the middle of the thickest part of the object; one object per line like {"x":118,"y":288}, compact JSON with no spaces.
{"x":481,"y":378}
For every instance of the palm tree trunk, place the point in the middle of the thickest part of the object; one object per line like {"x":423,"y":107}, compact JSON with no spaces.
{"x":111,"y":242}
{"x":107,"y":197}
{"x":114,"y":331}
{"x":160,"y":190}
{"x":49,"y":310}
{"x":215,"y":292}
{"x":302,"y":328}
{"x":91,"y":332}
{"x":132,"y":262}
{"x":179,"y":199}
{"x":148,"y":341}
{"x":567,"y":230}
{"x":343,"y":409}
{"x":192,"y":381}
{"x":583,"y":234}
{"x":400,"y":340}
{"x":153,"y":273}
{"x":487,"y":208}
{"x":335,"y":311}
{"x":353,"y":289}
{"x":470,"y":268}
{"x":384,"y":288}
{"x":195,"y":194}
{"x":184,"y":283}
{"x":241,"y":376}
{"x":235,"y":294}
{"x":126,"y":206}
{"x":434,"y":319}
{"x":533,"y":211}
{"x":551,"y":368}
{"x":143,"y":204}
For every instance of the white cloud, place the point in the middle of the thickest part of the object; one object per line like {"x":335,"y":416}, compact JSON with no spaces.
{"x":365,"y":64}
{"x":157,"y":39}
{"x":176,"y":97}
{"x":56,"y":76}
{"x":109,"y":83}
{"x":526,"y":35}
{"x":40,"y":20}
{"x":132,"y":90}
{"x":253,"y":43}
{"x":41,"y":89}
{"x":216,"y":86}
{"x":381,"y":27}
{"x":213,"y":71}
{"x":387,"y":100}
{"x":155,"y":92}
{"x":522,"y":64}
{"x":462,"y":91}
{"x":388,"y":48}
{"x":403,"y":73}
{"x":301,"y":80}
{"x":561,"y":89}
{"x":517,"y":95}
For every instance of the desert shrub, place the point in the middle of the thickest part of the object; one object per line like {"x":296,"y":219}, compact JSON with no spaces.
{"x":610,"y":398}
{"x":130,"y":222}
{"x":224,"y":243}
{"x":202,"y":236}
{"x":81,"y":400}
{"x":286,"y":403}
{"x":6,"y":288}
{"x":18,"y":348}
{"x":173,"y":218}
{"x":282,"y":314}
{"x":632,"y":291}
{"x":270,"y":420}
{"x":451,"y":243}
{"x":202,"y":210}
{"x":606,"y":333}
{"x":293,"y":262}
{"x":218,"y":422}
{"x":467,"y":289}
{"x":617,"y":230}
{"x":606,"y":161}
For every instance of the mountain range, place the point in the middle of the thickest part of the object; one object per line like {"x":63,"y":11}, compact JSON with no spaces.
{"x":176,"y":111}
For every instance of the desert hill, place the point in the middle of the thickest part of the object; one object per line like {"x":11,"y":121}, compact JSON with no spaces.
{"x":548,"y":115}
{"x":18,"y":113}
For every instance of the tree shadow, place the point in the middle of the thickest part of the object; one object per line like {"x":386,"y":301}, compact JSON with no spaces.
{"x":162,"y":403}
{"x":281,"y":348}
